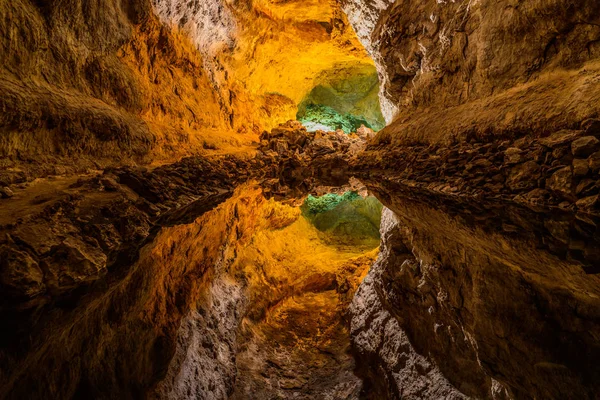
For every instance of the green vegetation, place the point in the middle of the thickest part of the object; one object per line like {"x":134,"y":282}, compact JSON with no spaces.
{"x":322,"y":117}
{"x":315,"y":205}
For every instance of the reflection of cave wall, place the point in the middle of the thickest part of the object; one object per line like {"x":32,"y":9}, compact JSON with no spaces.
{"x":350,"y":92}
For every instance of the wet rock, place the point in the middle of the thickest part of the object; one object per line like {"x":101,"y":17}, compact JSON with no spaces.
{"x":584,"y":146}
{"x":524,"y":176}
{"x":20,"y":274}
{"x":6,"y":192}
{"x":512,"y":155}
{"x":561,"y":182}
{"x":580,"y":167}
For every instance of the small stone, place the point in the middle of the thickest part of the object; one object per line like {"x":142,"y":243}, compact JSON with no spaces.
{"x":587,"y":203}
{"x":586,"y":187}
{"x":561,"y":182}
{"x":594,"y":162}
{"x":524,"y":176}
{"x":512,"y":155}
{"x":584,"y":146}
{"x":6,"y":193}
{"x":580,"y":167}
{"x":591,"y":127}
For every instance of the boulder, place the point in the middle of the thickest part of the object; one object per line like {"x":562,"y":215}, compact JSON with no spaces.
{"x":561,"y":182}
{"x":524,"y":176}
{"x":584,"y":146}
{"x":20,"y":274}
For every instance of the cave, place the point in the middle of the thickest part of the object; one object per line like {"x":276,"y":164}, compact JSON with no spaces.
{"x":286,"y":199}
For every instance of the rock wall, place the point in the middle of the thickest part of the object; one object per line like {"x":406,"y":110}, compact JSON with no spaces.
{"x":489,"y":169}
{"x":449,"y":68}
{"x":392,"y":367}
{"x":86,"y":85}
{"x":112,"y":82}
{"x":457,"y":306}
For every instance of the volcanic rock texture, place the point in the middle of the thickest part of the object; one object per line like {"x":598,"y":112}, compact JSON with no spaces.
{"x":151,"y":243}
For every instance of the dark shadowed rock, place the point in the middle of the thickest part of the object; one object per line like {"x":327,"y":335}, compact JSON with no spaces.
{"x":20,"y":275}
{"x":561,"y":182}
{"x":524,"y":176}
{"x":6,"y":192}
{"x":584,"y":146}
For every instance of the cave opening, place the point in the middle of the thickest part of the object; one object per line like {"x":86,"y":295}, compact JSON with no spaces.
{"x":346,"y":98}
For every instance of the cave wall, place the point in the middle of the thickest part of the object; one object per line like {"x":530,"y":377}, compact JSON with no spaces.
{"x":500,"y":67}
{"x":111,"y":82}
{"x":455,"y":307}
{"x":123,"y":289}
{"x":480,"y":288}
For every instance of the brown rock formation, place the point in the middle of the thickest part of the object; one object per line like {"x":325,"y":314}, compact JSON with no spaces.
{"x":151,"y":244}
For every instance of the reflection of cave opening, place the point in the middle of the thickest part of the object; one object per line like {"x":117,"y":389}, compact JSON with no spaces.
{"x":346,"y":219}
{"x":345,"y":98}
{"x":303,"y":267}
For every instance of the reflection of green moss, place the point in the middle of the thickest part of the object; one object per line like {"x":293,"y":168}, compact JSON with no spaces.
{"x":347,"y":220}
{"x":314,"y":205}
{"x":327,"y":116}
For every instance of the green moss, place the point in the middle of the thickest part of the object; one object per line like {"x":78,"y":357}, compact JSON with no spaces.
{"x":323,"y":117}
{"x":315,"y":205}
{"x":344,"y":99}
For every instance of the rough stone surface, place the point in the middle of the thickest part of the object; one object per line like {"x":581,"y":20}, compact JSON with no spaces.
{"x":383,"y":349}
{"x":475,"y":307}
{"x":584,"y":146}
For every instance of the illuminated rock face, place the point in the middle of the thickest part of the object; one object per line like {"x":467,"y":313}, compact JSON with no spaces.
{"x":104,"y":84}
{"x":471,"y":63}
{"x":349,"y":98}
